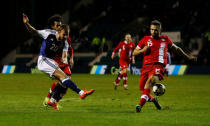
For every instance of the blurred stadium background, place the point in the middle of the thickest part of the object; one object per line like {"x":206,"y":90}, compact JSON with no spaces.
{"x":97,"y":26}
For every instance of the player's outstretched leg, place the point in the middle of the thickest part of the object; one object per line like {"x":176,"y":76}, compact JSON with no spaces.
{"x":155,"y":101}
{"x":70,"y":84}
{"x":86,"y":93}
{"x":157,"y":105}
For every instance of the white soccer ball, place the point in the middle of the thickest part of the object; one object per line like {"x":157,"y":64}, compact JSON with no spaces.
{"x":158,"y":89}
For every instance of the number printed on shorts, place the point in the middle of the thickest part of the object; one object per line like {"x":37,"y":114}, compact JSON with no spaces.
{"x":157,"y":71}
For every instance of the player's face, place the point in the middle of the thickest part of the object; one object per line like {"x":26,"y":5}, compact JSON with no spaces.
{"x":128,"y":38}
{"x":56,"y":25}
{"x":63,"y":34}
{"x":155,"y":30}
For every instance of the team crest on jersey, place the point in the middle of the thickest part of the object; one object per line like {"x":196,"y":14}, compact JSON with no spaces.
{"x":149,"y":43}
{"x":123,"y":47}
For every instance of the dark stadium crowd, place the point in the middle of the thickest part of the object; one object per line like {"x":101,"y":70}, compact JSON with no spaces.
{"x":109,"y":20}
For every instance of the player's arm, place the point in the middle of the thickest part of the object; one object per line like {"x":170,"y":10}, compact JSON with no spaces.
{"x":71,"y":60}
{"x":138,"y":51}
{"x":133,"y":59}
{"x":65,"y":53}
{"x":180,"y":52}
{"x":115,"y":50}
{"x":64,"y":57}
{"x":28,"y":26}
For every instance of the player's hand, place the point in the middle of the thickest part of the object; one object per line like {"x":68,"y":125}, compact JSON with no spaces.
{"x":133,"y":61}
{"x":119,"y":53}
{"x":112,"y":56}
{"x":145,"y":48}
{"x":192,"y":58}
{"x":71,"y":61}
{"x":25,"y":18}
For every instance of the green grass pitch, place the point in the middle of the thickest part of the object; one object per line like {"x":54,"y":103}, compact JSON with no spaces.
{"x":185,"y":103}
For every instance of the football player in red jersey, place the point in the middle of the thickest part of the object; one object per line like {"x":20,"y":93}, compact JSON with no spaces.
{"x":125,"y":49}
{"x":154,"y":48}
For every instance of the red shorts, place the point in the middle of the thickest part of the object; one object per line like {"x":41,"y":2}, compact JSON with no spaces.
{"x":124,"y":64}
{"x":149,"y":70}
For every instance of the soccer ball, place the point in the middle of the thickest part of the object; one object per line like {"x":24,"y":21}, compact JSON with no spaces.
{"x":158,"y":89}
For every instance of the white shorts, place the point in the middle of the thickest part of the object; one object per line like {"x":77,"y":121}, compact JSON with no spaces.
{"x":47,"y":65}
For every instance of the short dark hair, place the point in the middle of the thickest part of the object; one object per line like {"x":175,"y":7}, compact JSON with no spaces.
{"x":156,"y":22}
{"x":54,"y":18}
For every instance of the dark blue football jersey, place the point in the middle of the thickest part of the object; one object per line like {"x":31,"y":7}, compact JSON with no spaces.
{"x":51,"y":46}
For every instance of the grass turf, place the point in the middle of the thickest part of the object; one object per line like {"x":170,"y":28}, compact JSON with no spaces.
{"x":185,"y":103}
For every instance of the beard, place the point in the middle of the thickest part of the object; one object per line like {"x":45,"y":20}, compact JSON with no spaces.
{"x":155,"y":36}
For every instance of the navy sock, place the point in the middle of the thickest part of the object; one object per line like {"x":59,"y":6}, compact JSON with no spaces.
{"x":70,"y":84}
{"x":56,"y":91}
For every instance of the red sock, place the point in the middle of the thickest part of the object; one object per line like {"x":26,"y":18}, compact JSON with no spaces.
{"x":145,"y":97}
{"x":51,"y":89}
{"x":125,"y":77}
{"x":151,"y":98}
{"x":119,"y":77}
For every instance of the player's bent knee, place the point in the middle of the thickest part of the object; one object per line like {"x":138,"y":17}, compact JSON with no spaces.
{"x":152,"y":79}
{"x":59,"y":74}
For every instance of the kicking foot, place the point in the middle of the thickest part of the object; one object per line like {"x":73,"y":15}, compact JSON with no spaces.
{"x":86,"y":93}
{"x":157,"y":105}
{"x":138,"y":108}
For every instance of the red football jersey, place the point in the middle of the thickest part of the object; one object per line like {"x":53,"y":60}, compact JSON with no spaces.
{"x":157,"y":52}
{"x":125,"y":49}
{"x":70,"y":52}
